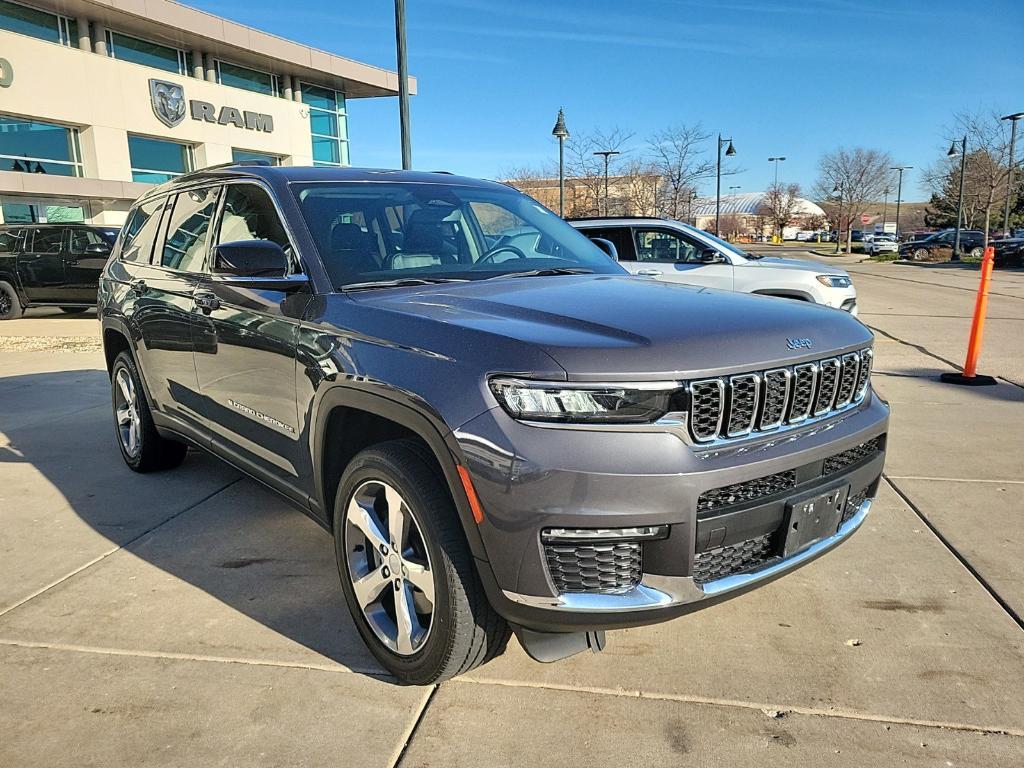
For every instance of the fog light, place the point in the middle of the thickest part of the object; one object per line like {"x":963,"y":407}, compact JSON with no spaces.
{"x":638,"y":533}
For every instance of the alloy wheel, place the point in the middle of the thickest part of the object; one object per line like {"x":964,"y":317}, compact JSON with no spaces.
{"x":126,"y":408}
{"x":388,"y":567}
{"x":5,"y":302}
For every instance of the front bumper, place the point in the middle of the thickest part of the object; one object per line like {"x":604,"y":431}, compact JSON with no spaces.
{"x":609,"y":479}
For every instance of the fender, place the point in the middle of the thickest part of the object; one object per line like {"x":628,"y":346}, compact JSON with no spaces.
{"x":9,"y":274}
{"x":122,"y":325}
{"x":439,"y":440}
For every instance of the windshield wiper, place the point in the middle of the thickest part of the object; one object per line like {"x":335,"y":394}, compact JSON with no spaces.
{"x":401,"y":283}
{"x":547,"y":271}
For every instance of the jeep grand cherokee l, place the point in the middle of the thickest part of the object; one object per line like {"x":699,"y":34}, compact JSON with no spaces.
{"x":499,"y":430}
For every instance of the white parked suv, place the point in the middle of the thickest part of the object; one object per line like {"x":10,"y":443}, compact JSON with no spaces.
{"x":881,"y":242}
{"x":675,"y":252}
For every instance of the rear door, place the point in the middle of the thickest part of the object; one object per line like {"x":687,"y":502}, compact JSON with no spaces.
{"x":245,"y":341}
{"x":83,"y":261}
{"x":41,"y":265}
{"x":676,"y":257}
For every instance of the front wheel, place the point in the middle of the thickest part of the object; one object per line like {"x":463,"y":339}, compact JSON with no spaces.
{"x":10,"y":305}
{"x":977,"y":252}
{"x":142,"y":447}
{"x":406,"y":569}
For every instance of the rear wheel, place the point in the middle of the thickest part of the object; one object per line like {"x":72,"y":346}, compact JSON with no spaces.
{"x":142,"y":447}
{"x":977,"y":252}
{"x":920,"y":254}
{"x":406,"y":569}
{"x":10,"y":305}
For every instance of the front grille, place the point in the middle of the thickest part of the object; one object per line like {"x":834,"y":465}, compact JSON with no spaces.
{"x":853,"y":504}
{"x":734,"y":406}
{"x":855,"y":455}
{"x":750,"y":490}
{"x":732,"y":559}
{"x":608,"y":569}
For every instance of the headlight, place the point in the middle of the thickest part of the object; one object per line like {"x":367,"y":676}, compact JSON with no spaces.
{"x":584,"y":403}
{"x":833,"y":281}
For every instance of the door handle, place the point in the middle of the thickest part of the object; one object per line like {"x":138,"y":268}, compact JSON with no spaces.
{"x":649,"y":272}
{"x":206,"y":301}
{"x":139,"y":287}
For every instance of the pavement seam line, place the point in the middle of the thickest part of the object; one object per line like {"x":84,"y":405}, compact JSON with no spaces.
{"x":933,"y":285}
{"x":201,"y":658}
{"x":957,"y":479}
{"x":709,"y":701}
{"x":118,"y":548}
{"x":956,"y":553}
{"x":399,"y":753}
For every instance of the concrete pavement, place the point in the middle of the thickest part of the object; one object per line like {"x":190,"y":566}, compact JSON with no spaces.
{"x":193,"y":618}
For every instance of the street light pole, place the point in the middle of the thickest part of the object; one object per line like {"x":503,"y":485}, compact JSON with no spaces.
{"x":606,"y":153}
{"x":718,"y":179}
{"x":403,"y":84}
{"x":1010,"y":170}
{"x":885,"y":206}
{"x":839,"y":215}
{"x":776,"y":160}
{"x":960,"y":202}
{"x":899,"y":194}
{"x":562,"y":133}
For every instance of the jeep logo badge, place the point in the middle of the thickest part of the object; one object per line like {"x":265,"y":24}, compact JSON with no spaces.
{"x":803,"y":343}
{"x":168,"y":100}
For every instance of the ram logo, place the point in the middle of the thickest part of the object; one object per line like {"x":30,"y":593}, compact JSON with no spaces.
{"x":168,"y":100}
{"x":803,"y":343}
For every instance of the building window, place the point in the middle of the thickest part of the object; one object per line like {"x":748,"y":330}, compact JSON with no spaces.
{"x":27,"y":146}
{"x":24,"y":20}
{"x":155,"y":160}
{"x":248,"y":79}
{"x":241,"y":155}
{"x":327,"y":124}
{"x":148,"y":54}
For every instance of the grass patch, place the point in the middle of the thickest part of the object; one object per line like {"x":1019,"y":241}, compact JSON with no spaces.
{"x":885,"y":257}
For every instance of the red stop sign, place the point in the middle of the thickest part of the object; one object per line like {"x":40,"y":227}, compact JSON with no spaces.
{"x":864,"y":219}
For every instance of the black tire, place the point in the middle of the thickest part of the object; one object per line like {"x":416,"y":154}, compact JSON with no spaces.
{"x":10,"y":304}
{"x":465,"y":631}
{"x":921,"y":254}
{"x":977,"y":252}
{"x":152,"y":452}
{"x":74,"y":310}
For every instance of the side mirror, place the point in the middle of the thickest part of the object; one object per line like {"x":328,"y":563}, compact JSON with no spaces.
{"x":607,"y":246}
{"x":250,"y":258}
{"x":98,"y":249}
{"x":711,"y":256}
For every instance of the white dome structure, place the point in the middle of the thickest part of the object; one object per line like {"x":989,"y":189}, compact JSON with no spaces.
{"x":749,"y":204}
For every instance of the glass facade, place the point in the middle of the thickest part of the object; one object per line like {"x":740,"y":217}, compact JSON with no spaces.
{"x":149,"y":54}
{"x":156,"y":160}
{"x":248,"y":79}
{"x":241,"y":155}
{"x":25,"y":20}
{"x":28,"y":146}
{"x":327,"y":124}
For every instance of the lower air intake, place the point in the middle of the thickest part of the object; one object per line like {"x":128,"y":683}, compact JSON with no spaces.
{"x":732,"y":559}
{"x":607,"y":568}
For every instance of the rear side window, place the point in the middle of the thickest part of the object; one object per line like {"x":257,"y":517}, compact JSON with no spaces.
{"x":9,"y":240}
{"x":83,"y":238}
{"x":48,"y":240}
{"x":618,"y":236}
{"x":140,"y":231}
{"x":188,"y":231}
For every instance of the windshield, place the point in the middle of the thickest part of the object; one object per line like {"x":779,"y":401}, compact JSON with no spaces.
{"x":368,"y":232}
{"x":723,"y":245}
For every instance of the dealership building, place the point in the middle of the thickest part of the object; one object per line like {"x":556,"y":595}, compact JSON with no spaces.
{"x":100,"y":99}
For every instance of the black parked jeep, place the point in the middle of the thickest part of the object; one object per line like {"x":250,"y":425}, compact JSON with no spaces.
{"x":56,"y":265}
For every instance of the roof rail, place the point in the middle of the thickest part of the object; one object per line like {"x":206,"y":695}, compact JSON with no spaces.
{"x":603,"y":218}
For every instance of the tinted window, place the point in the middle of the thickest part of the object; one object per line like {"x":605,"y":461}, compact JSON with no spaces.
{"x":664,"y":246}
{"x":139,"y":232}
{"x":82,"y":238}
{"x":618,"y":236}
{"x":155,"y":161}
{"x":249,"y":214}
{"x":29,"y":146}
{"x":48,"y":240}
{"x":29,"y":21}
{"x":189,"y":230}
{"x":9,"y":240}
{"x":144,"y":52}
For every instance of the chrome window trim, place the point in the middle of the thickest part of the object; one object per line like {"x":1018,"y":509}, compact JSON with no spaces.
{"x":754,"y":409}
{"x":798,"y":419}
{"x":785,"y":397}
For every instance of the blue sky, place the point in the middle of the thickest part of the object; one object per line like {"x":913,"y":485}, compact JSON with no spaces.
{"x":793,"y":77}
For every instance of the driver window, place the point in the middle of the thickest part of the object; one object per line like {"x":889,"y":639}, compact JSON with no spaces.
{"x":249,"y":214}
{"x":662,"y":246}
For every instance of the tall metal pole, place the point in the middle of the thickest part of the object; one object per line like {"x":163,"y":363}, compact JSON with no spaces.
{"x":1010,"y":170}
{"x":839,"y":217}
{"x":606,"y":153}
{"x":885,"y":207}
{"x":561,"y":176}
{"x":776,"y":160}
{"x":960,"y":203}
{"x":403,"y":84}
{"x":718,"y":187}
{"x":899,"y":193}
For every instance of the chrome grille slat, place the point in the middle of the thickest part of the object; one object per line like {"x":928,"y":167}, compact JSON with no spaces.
{"x":744,"y":393}
{"x":776,"y":397}
{"x":729,"y":407}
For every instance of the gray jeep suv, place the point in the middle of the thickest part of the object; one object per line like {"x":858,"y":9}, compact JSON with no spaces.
{"x":499,"y":426}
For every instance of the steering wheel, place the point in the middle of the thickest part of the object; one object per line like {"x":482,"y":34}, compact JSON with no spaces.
{"x":489,"y":256}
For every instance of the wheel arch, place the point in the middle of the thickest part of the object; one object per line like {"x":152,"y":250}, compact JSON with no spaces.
{"x":348,"y":420}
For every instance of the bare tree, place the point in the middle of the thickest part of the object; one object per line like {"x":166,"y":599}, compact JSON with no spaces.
{"x":859,"y":176}
{"x":781,"y":202}
{"x":587,"y":169}
{"x":678,"y":155}
{"x":985,"y":171}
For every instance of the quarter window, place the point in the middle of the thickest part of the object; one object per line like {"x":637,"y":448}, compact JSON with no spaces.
{"x":24,"y":20}
{"x":149,"y":54}
{"x":28,"y":146}
{"x":327,"y":124}
{"x":156,"y":160}
{"x":140,"y":231}
{"x":189,"y":230}
{"x":662,"y":246}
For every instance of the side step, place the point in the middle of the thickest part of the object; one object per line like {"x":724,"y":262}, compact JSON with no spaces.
{"x":555,"y":646}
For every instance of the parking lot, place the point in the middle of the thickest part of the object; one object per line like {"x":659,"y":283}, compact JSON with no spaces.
{"x":193,"y":618}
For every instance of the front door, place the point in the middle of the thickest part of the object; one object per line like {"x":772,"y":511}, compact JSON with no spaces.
{"x":41,"y":265}
{"x":245,"y":343}
{"x":672,"y":256}
{"x":83,"y":261}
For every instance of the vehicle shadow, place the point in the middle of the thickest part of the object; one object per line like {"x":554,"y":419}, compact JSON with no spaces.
{"x":233,"y":540}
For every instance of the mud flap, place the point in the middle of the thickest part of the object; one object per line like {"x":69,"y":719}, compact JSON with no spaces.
{"x":555,"y":646}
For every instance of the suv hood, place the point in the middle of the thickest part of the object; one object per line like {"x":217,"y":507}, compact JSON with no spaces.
{"x":800,"y":264}
{"x":611,"y":327}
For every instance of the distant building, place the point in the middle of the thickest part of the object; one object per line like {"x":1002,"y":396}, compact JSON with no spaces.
{"x":746,"y":214}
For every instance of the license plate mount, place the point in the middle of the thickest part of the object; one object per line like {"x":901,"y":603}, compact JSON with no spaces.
{"x":814,"y":518}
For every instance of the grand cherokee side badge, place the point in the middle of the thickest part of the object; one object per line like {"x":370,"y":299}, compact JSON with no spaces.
{"x":803,"y":343}
{"x":261,"y":416}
